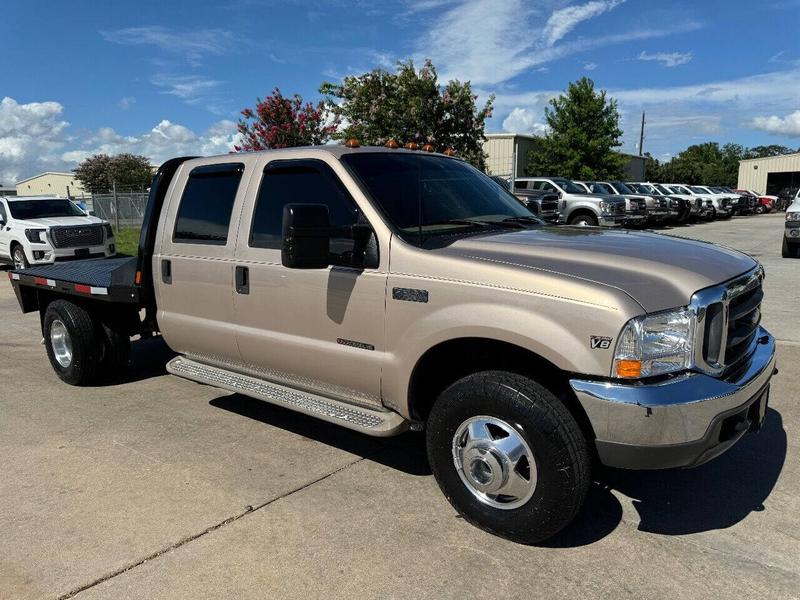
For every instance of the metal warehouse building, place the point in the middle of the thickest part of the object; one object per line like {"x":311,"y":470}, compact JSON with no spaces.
{"x":507,"y":156}
{"x":50,"y":183}
{"x":770,"y":175}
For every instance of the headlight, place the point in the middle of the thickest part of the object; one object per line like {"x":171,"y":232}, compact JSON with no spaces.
{"x":109,"y":231}
{"x":36,"y":236}
{"x":655,"y":344}
{"x":608,"y":207}
{"x":793,"y":216}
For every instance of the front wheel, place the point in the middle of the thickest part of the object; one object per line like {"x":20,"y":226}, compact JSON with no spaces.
{"x":789,"y":250}
{"x":584,"y":221}
{"x":508,"y":455}
{"x":19,"y":258}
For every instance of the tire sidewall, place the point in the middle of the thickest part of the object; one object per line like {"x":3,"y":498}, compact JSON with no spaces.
{"x":82,"y":337}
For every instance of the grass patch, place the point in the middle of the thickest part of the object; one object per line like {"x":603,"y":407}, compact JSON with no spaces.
{"x":127,"y":241}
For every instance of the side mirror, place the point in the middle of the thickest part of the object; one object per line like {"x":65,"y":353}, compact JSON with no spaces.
{"x":306,"y":236}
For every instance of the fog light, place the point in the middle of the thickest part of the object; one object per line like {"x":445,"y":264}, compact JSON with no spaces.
{"x":38,"y":254}
{"x":794,"y":232}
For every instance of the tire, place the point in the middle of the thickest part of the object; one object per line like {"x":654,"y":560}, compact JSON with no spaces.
{"x":583,"y":220}
{"x":18,"y":257}
{"x":789,"y":250}
{"x":760,"y":210}
{"x":510,"y":407}
{"x":116,"y":351}
{"x":80,"y":364}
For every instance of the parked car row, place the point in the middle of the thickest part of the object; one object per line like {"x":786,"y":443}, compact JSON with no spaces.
{"x":618,"y":203}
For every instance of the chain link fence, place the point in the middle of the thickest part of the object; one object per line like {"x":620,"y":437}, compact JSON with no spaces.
{"x":124,"y":210}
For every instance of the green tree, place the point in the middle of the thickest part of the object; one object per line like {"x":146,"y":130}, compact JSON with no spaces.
{"x":100,"y":172}
{"x":709,"y":164}
{"x":409,"y":106}
{"x":765,"y":151}
{"x":583,"y":135}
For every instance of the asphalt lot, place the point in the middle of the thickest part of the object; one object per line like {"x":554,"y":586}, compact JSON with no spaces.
{"x":162,"y":488}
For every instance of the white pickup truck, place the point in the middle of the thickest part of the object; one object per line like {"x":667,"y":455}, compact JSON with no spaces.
{"x":37,"y":230}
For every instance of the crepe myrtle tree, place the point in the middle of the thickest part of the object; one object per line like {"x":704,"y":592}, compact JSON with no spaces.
{"x":409,"y":105}
{"x":583,"y":136}
{"x":280,"y":122}
{"x":100,"y":173}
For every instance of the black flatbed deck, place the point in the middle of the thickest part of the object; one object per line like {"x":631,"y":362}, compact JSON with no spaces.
{"x":107,"y":279}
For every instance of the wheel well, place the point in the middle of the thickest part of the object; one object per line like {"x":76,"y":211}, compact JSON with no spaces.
{"x":582,"y":212}
{"x":449,"y":361}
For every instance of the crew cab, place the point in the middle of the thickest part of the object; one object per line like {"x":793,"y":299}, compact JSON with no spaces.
{"x":384,"y":289}
{"x":701,"y":207}
{"x":38,"y":230}
{"x":667,"y":208}
{"x":579,"y":208}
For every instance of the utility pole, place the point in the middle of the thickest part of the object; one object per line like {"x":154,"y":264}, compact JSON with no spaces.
{"x":641,"y":137}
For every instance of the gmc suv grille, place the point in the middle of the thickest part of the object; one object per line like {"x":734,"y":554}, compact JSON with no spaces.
{"x":77,"y":236}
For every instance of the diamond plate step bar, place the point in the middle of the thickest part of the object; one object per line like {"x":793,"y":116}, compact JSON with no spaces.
{"x":379,"y":423}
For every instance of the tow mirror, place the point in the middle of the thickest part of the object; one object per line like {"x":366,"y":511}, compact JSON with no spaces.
{"x":306,"y":236}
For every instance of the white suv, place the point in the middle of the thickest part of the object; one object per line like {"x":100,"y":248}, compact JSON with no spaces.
{"x":36,"y":230}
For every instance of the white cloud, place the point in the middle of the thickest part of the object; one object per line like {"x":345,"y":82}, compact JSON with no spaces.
{"x":185,"y":87}
{"x":522,"y":120}
{"x":515,"y":37}
{"x":126,"y":102}
{"x":669,"y":59}
{"x":192,"y":45}
{"x":788,"y":125}
{"x":590,"y":66}
{"x":562,"y":21}
{"x":34,"y":137}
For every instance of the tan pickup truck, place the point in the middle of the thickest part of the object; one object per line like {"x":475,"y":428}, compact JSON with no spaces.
{"x":386,"y":289}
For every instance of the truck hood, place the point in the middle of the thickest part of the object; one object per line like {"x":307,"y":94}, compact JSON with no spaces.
{"x":658,"y":271}
{"x":62,"y":222}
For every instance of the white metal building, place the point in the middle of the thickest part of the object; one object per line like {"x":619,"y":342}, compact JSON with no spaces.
{"x":507,"y":156}
{"x":51,"y":183}
{"x":770,"y":175}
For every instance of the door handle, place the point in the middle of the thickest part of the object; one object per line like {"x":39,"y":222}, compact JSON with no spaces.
{"x":166,"y":271}
{"x":242,"y":280}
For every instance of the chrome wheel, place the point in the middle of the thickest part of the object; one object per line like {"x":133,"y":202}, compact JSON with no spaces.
{"x":19,"y":258}
{"x":495,"y":462}
{"x":61,"y":343}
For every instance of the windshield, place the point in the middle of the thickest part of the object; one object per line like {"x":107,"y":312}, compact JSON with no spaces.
{"x":698,"y":190}
{"x":644,"y":188}
{"x":423,"y":196}
{"x":622,"y":188}
{"x":600,"y":188}
{"x":25,"y":210}
{"x":569,"y":186}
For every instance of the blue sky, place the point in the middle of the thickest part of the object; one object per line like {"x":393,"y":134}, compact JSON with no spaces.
{"x":166,"y":78}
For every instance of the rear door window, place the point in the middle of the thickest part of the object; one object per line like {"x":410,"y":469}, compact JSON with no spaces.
{"x":204,"y":214}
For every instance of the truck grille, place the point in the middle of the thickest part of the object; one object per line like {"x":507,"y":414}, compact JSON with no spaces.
{"x":725,"y":202}
{"x":549,"y":203}
{"x":728,"y":322}
{"x":698,"y":203}
{"x":77,"y":236}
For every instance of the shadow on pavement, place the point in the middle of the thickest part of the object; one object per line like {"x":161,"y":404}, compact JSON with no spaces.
{"x":716,"y":495}
{"x":405,"y":452}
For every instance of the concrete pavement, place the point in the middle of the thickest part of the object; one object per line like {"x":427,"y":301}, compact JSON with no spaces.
{"x":162,"y":488}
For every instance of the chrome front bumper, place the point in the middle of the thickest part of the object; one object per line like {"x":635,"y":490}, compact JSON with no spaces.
{"x":680,"y":422}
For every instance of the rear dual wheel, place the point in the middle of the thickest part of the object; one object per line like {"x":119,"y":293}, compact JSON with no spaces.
{"x":81,"y":348}
{"x":508,"y":455}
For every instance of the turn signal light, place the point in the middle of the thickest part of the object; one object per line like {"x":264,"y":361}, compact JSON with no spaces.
{"x":629,"y":368}
{"x":392,"y":143}
{"x":428,"y":148}
{"x":352,"y":143}
{"x":449,"y":152}
{"x":411,"y":146}
{"x":138,"y":279}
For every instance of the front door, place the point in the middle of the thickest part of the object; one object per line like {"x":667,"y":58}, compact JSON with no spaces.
{"x":193,"y":269}
{"x":317,"y":329}
{"x":5,"y":236}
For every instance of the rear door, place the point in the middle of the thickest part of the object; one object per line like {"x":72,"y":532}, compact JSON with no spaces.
{"x":193,"y":267}
{"x":317,"y":329}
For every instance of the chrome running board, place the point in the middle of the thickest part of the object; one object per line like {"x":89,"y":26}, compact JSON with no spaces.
{"x":375,"y":422}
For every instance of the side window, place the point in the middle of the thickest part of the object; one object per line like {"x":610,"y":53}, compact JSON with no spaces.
{"x":302,"y":182}
{"x":3,"y":215}
{"x":546,"y":186}
{"x":521,"y":185}
{"x":204,"y":214}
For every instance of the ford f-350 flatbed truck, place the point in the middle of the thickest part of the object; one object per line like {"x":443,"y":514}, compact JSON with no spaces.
{"x":385,"y":289}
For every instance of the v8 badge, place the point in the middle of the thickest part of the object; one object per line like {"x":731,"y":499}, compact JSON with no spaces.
{"x":600,"y":343}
